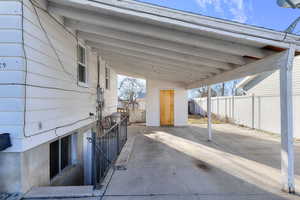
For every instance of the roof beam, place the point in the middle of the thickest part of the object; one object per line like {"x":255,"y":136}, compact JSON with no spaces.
{"x":270,"y":63}
{"x":142,"y":76}
{"x":118,"y":53}
{"x":160,"y":52}
{"x":92,"y":32}
{"x":176,"y":68}
{"x":156,"y":59}
{"x":152,"y":75}
{"x":161,"y":74}
{"x":163,"y":54}
{"x":133,"y":75}
{"x":159,"y":32}
{"x":157,"y":69}
{"x":151,"y":68}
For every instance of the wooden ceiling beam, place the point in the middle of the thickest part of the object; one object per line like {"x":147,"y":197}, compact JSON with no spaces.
{"x":155,"y":31}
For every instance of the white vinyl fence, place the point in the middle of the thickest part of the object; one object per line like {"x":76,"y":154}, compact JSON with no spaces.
{"x":258,"y":112}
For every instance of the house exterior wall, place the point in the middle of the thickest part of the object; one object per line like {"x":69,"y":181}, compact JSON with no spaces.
{"x":267,"y":87}
{"x":12,"y":75}
{"x":270,"y":86}
{"x":27,"y":169}
{"x":52,"y":91}
{"x":153,"y":102}
{"x":52,"y":88}
{"x":40,"y":98}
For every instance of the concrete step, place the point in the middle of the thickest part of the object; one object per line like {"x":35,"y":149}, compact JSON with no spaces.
{"x":62,"y":192}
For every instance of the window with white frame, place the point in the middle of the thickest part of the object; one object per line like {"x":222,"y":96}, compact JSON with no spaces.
{"x":82,"y":64}
{"x":107,"y":78}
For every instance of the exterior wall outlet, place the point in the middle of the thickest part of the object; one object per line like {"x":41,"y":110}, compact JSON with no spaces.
{"x":40,"y":125}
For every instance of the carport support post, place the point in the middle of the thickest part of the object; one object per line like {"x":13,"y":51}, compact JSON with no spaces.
{"x":209,"y":113}
{"x":286,"y":102}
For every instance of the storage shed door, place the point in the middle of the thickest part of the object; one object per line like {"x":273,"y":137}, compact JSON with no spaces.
{"x":167,"y":107}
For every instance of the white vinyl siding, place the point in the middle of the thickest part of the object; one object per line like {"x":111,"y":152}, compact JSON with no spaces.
{"x":270,"y":86}
{"x":52,"y":75}
{"x":12,"y":76}
{"x":54,"y":98}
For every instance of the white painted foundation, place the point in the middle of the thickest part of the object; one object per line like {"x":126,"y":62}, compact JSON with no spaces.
{"x":153,"y":102}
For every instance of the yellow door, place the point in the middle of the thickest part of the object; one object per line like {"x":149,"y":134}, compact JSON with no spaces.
{"x":167,"y":107}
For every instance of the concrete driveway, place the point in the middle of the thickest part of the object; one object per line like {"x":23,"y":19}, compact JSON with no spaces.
{"x":179,"y":164}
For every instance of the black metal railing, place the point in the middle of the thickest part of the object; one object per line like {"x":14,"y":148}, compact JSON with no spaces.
{"x":107,"y":145}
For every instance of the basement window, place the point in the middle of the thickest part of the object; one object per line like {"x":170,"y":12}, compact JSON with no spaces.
{"x":54,"y":161}
{"x":107,"y":78}
{"x":63,"y":153}
{"x":82,"y":66}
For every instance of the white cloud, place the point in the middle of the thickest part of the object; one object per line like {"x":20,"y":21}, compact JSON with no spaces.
{"x":235,"y":8}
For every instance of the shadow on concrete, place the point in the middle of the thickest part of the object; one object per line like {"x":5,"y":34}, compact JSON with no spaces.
{"x":248,"y":144}
{"x":178,"y":163}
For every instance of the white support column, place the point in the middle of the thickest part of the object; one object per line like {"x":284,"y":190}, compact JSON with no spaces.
{"x":253,"y":111}
{"x":232,"y":108}
{"x":286,"y":102}
{"x":209,"y":113}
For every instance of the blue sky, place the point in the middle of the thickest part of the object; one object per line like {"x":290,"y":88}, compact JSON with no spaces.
{"x":263,"y":13}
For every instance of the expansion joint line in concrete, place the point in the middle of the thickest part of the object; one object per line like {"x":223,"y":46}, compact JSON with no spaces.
{"x":185,"y":195}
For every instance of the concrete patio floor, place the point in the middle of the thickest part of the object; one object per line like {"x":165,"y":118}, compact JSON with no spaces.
{"x":179,"y":164}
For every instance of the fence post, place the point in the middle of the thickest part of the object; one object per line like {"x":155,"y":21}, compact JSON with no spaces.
{"x":126,"y":123}
{"x":218,"y":106}
{"x":253,"y":111}
{"x":225,"y":107}
{"x":232,"y":109}
{"x":209,"y":114}
{"x":118,"y":138}
{"x":259,"y":112}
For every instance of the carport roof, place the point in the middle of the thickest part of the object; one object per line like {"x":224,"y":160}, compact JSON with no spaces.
{"x":153,"y":42}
